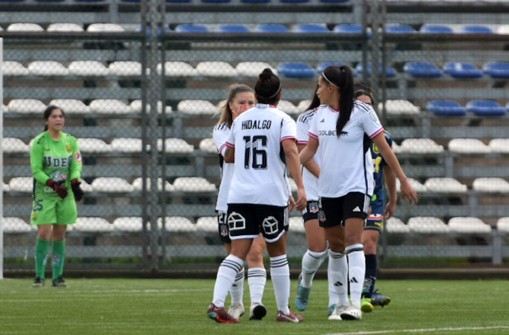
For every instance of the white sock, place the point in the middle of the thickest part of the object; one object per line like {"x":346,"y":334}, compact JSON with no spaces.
{"x":311,"y":262}
{"x":226,"y":273}
{"x":256,"y":278}
{"x":356,"y":270}
{"x":280,"y":275}
{"x":337,"y":275}
{"x":237,"y":290}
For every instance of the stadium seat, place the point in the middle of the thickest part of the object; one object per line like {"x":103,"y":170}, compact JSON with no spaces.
{"x":87,"y":68}
{"x":191,"y":28}
{"x":499,"y":145}
{"x":207,"y":224}
{"x":462,"y":70}
{"x":126,"y":145}
{"x":420,"y":146}
{"x":293,"y":1}
{"x":390,"y":72}
{"x":475,"y":29}
{"x":303,"y":105}
{"x":175,"y":145}
{"x":21,"y":184}
{"x":398,"y":28}
{"x":436,"y":29}
{"x":310,"y":28}
{"x":445,"y":185}
{"x":208,"y":145}
{"x":491,"y":185}
{"x":138,"y":185}
{"x":25,"y":27}
{"x":296,"y":70}
{"x":177,"y":69}
{"x":176,"y":224}
{"x":288,"y":107}
{"x":14,"y":145}
{"x":503,"y":224}
{"x":400,"y":107}
{"x":216,"y":69}
{"x":468,"y":146}
{"x":129,"y":224}
{"x":427,"y":225}
{"x":485,"y":108}
{"x":26,"y":106}
{"x":346,"y":28}
{"x":105,"y":28}
{"x":497,"y":69}
{"x":503,"y":29}
{"x":64,"y":27}
{"x":71,"y":106}
{"x":468,"y":225}
{"x":296,"y":224}
{"x":323,"y":65}
{"x":93,"y":225}
{"x":193,"y":184}
{"x":419,"y":188}
{"x":16,"y":225}
{"x":446,"y":107}
{"x":111,"y":185}
{"x":232,"y":28}
{"x":14,"y":69}
{"x":396,"y":226}
{"x":334,"y":1}
{"x":109,"y":106}
{"x":215,"y":1}
{"x":422,"y":70}
{"x":136,"y":107}
{"x":125,"y":69}
{"x":271,"y":28}
{"x":93,"y":145}
{"x":178,"y":1}
{"x":252,"y":69}
{"x":196,"y":107}
{"x":47,"y":68}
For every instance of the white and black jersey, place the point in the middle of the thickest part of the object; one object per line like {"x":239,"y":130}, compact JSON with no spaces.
{"x":220,"y":135}
{"x":259,"y":173}
{"x":304,"y":122}
{"x":345,"y":165}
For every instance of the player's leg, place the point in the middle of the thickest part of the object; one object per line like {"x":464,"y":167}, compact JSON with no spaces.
{"x":41,"y":252}
{"x":370,"y":240}
{"x":257,"y":278}
{"x":58,"y":255}
{"x":314,"y":255}
{"x":337,"y":273}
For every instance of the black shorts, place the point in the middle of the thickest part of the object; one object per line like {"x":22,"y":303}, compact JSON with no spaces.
{"x":249,"y":220}
{"x":222,"y":227}
{"x":334,"y":211}
{"x":311,"y":211}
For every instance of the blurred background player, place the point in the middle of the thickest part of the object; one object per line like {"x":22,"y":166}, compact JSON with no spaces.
{"x":375,"y":222}
{"x":240,"y":98}
{"x":56,"y":165}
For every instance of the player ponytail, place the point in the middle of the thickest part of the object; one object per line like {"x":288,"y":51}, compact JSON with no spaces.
{"x":226,"y":111}
{"x":342,"y":78}
{"x":268,"y":87}
{"x":47,"y":114}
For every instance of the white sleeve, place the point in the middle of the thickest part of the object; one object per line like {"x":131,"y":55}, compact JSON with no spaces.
{"x":220,"y":135}
{"x":302,"y":130}
{"x":288,"y":128}
{"x":370,"y":122}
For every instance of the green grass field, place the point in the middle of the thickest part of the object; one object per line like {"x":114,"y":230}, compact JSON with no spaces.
{"x":174,"y":307}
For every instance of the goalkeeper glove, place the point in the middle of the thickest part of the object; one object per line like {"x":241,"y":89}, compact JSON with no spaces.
{"x":76,"y":189}
{"x":58,"y":188}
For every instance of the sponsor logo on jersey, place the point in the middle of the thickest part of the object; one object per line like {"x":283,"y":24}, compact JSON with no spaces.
{"x":356,"y":209}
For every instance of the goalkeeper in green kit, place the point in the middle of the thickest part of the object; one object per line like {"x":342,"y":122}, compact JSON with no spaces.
{"x":56,"y":167}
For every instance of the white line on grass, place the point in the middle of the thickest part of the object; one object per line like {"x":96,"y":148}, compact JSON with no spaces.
{"x":422,"y":330}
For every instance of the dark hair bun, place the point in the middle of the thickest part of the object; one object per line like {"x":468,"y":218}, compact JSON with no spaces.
{"x":266,"y":74}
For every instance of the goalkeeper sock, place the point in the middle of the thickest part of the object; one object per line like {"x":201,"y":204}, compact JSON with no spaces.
{"x":237,"y":290}
{"x":41,"y":252}
{"x":256,"y":278}
{"x":226,"y":274}
{"x":311,"y":262}
{"x":58,"y":258}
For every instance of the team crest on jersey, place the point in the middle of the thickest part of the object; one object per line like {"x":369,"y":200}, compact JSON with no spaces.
{"x":68,"y":147}
{"x":77,"y":157}
{"x":375,"y":149}
{"x":313,"y":207}
{"x":321,"y":216}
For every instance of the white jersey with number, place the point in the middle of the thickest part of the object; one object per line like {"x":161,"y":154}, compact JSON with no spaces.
{"x":310,"y":181}
{"x":346,"y":164}
{"x":259,"y":173}
{"x":220,"y":135}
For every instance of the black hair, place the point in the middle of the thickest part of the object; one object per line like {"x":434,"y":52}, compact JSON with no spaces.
{"x":342,"y":78}
{"x":315,"y":102}
{"x":47,"y":113}
{"x":267,"y":87}
{"x":363,"y":89}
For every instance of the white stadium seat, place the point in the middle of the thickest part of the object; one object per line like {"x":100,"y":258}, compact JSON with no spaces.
{"x":445,"y":185}
{"x":400,"y":107}
{"x":297,"y":224}
{"x":26,"y":27}
{"x":125,"y":68}
{"x":419,"y":188}
{"x":136,"y":107}
{"x":427,"y":224}
{"x":216,"y":69}
{"x":491,"y":185}
{"x":16,"y":225}
{"x":64,"y":27}
{"x":499,"y":145}
{"x":94,"y":145}
{"x":193,"y":184}
{"x":177,"y":224}
{"x":111,"y":185}
{"x":14,"y":145}
{"x":252,"y":69}
{"x":133,"y":224}
{"x":14,"y":69}
{"x":503,"y":223}
{"x":87,"y":68}
{"x":110,"y":106}
{"x":128,"y":145}
{"x":177,"y":69}
{"x":395,"y":225}
{"x":303,"y":105}
{"x":197,"y":107}
{"x":207,"y":224}
{"x":175,"y":145}
{"x":468,"y":146}
{"x":137,"y":185}
{"x":21,"y":184}
{"x":26,"y":106}
{"x":93,"y":224}
{"x":71,"y":106}
{"x":468,"y":225}
{"x":105,"y":28}
{"x":47,"y":68}
{"x":288,"y":107}
{"x":420,"y":146}
{"x":208,"y":145}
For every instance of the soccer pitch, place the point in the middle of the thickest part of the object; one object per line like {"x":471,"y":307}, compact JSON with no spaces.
{"x":174,"y":307}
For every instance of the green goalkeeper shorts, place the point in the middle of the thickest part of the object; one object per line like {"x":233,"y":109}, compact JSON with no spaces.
{"x":54,"y":210}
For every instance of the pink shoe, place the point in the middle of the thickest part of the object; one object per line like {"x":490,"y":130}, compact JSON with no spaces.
{"x":219,"y":314}
{"x":290,"y":317}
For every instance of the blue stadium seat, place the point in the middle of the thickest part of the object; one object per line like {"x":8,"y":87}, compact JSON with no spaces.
{"x":462,"y":70}
{"x":233,"y":28}
{"x":47,"y":1}
{"x":485,"y":108}
{"x":334,"y":1}
{"x":497,"y":69}
{"x":296,"y":70}
{"x":178,"y":1}
{"x":347,"y":28}
{"x":191,"y":28}
{"x":271,"y":28}
{"x":422,"y":70}
{"x":293,"y":1}
{"x":476,"y":29}
{"x":322,"y":66}
{"x":446,"y":107}
{"x":398,"y":28}
{"x":390,"y":72}
{"x":255,"y":1}
{"x":215,"y":1}
{"x":310,"y":28}
{"x":436,"y":29}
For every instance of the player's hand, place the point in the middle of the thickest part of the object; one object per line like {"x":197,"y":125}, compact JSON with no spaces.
{"x":291,"y":203}
{"x":301,"y":199}
{"x":390,"y":209}
{"x":58,"y":188}
{"x":76,"y":189}
{"x":408,"y":192}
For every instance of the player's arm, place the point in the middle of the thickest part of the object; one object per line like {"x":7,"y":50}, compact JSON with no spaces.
{"x":390,"y":182}
{"x":407,"y":191}
{"x":76,"y":163}
{"x":36,"y":163}
{"x":229,"y":154}
{"x":311,"y":164}
{"x":293,"y":164}
{"x":309,"y":150}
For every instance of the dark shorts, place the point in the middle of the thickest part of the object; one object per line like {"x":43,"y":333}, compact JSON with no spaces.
{"x":375,"y":222}
{"x":334,"y":211}
{"x":311,"y":211}
{"x":222,"y":226}
{"x":249,"y":220}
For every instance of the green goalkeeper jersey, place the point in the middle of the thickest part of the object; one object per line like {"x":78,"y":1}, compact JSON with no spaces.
{"x":59,"y":160}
